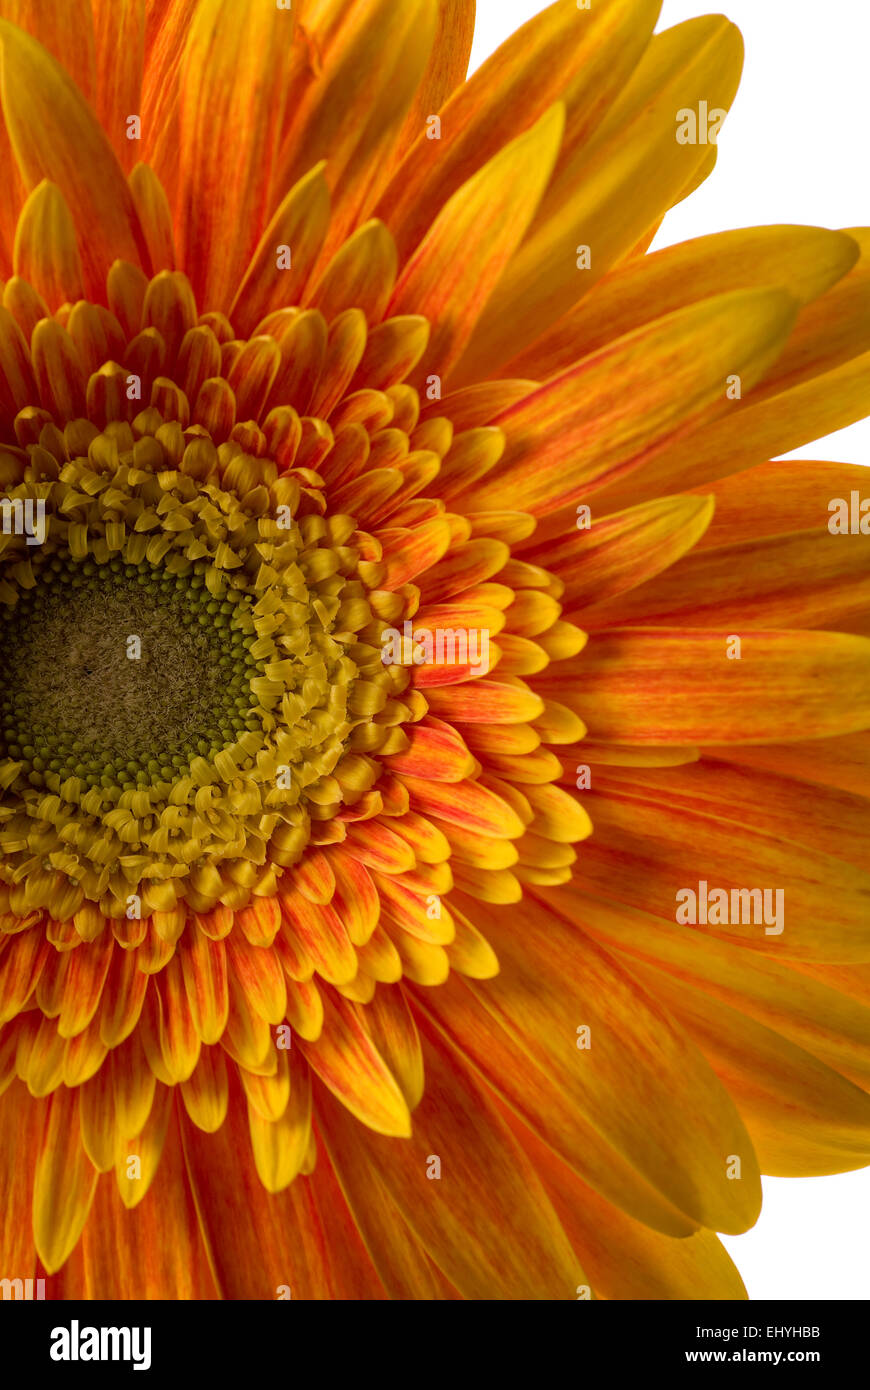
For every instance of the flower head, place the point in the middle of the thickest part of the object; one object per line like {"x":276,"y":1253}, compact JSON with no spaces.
{"x":379,"y":524}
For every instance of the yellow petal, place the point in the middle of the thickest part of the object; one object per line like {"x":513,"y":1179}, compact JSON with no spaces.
{"x":581,"y":57}
{"x":361,"y":274}
{"x":64,"y":1183}
{"x":45,"y":251}
{"x":280,"y":1145}
{"x":610,"y":189}
{"x":804,"y":261}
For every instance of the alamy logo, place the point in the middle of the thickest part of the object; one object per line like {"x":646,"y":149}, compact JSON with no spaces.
{"x":23,"y":516}
{"x":445,"y":646}
{"x":22,"y":1288}
{"x":849,"y":516}
{"x":716,"y":907}
{"x":102,"y":1344}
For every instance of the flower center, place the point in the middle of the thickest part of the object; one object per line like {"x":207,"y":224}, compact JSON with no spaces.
{"x":189,"y":666}
{"x":122,"y":674}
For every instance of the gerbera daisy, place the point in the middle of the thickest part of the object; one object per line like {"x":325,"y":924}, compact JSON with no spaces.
{"x":380,"y":523}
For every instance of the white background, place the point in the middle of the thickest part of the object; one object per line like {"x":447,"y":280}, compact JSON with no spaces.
{"x":793,"y":149}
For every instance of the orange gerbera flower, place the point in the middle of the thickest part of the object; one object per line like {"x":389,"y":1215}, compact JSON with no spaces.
{"x":339,"y":404}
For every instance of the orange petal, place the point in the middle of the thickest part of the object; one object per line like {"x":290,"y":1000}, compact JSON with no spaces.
{"x":467,"y":804}
{"x":614,"y":407}
{"x":393,"y":349}
{"x":230,"y":74}
{"x":152,"y":1251}
{"x":639,"y":1263}
{"x":347,"y":1061}
{"x":147,"y":1147}
{"x":258,"y":973}
{"x":179,"y":1041}
{"x":435,"y":751}
{"x":655,"y":857}
{"x":56,"y":136}
{"x":612,"y":187}
{"x":621,"y":551}
{"x":654,"y":1167}
{"x":122,"y":998}
{"x":464,"y":567}
{"x":155,"y":217}
{"x":459,"y":1219}
{"x":661,"y":685}
{"x":355,"y":897}
{"x":119,"y":33}
{"x":322,"y":936}
{"x":454,"y":270}
{"x":415,"y":551}
{"x":447,"y":66}
{"x":205,"y":1091}
{"x":485,"y":702}
{"x":817,"y":386}
{"x":22,"y":960}
{"x":300,"y":224}
{"x":256,"y":1242}
{"x":88,"y":968}
{"x":204,"y":969}
{"x":353,"y":115}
